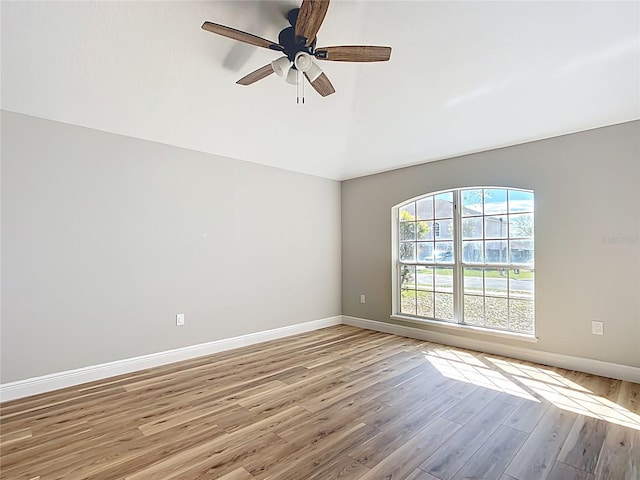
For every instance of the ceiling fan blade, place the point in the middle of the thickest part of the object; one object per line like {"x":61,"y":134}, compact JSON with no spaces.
{"x":322,"y":85}
{"x":241,"y":36}
{"x":256,"y":75}
{"x":310,"y":18}
{"x":354,"y":53}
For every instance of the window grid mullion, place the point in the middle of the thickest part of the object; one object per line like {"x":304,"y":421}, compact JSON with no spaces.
{"x":458,"y":281}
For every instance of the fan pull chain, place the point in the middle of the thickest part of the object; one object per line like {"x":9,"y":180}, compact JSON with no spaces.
{"x":299,"y":87}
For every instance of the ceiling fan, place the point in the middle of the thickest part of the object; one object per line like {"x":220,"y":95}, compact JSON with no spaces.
{"x":298,"y":43}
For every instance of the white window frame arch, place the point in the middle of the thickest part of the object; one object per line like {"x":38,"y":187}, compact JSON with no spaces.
{"x":517,"y":263}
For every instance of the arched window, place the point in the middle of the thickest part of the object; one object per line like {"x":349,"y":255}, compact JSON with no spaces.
{"x":466,"y":256}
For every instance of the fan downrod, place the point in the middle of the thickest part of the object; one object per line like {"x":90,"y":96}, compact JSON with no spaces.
{"x":292,"y":16}
{"x":287,"y":38}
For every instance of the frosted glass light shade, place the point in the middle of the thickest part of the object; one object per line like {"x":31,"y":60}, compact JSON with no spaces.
{"x":292,"y":76}
{"x":313,"y":72}
{"x":303,"y":61}
{"x":281,"y":66}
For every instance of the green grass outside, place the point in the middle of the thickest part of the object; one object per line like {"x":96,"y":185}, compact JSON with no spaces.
{"x":523,"y":275}
{"x":473,"y":272}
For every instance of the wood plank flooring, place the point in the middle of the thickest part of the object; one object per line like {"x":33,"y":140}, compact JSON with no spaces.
{"x":337,"y":403}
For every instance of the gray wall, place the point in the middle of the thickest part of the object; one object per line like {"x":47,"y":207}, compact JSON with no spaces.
{"x":587,"y":227}
{"x":105,"y":238}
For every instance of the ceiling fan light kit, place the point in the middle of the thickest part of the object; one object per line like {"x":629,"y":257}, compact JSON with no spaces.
{"x":281,"y":66}
{"x":303,"y":61}
{"x":292,"y":77}
{"x":313,"y":73}
{"x":298,"y":43}
{"x":305,"y":64}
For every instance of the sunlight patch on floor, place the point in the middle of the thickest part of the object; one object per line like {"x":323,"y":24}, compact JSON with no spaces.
{"x":535,"y":383}
{"x":584,"y":403}
{"x":467,"y":368}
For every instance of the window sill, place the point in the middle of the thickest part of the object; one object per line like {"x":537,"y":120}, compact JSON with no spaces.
{"x":523,"y":337}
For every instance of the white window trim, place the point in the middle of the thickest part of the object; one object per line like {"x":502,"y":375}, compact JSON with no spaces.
{"x":462,"y":327}
{"x":456,"y":324}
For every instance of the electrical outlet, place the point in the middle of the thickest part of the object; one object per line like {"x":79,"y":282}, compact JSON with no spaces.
{"x":597,"y":328}
{"x":180,"y":319}
{"x":363,"y":299}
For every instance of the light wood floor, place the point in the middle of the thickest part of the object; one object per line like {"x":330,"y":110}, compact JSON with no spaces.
{"x":335,"y":403}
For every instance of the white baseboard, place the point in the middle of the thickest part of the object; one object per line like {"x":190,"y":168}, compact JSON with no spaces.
{"x":69,"y":378}
{"x":586,"y":365}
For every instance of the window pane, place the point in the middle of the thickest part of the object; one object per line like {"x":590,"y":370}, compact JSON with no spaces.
{"x":521,"y":283}
{"x":407,"y":213}
{"x":425,"y":231}
{"x":425,"y":251}
{"x":472,"y":252}
{"x":425,"y":304}
{"x":436,"y":229}
{"x":495,"y":282}
{"x":425,"y":208}
{"x":473,"y":282}
{"x":445,"y":230}
{"x":424,"y":278}
{"x":473,"y":310}
{"x":407,"y":252}
{"x":443,"y":252}
{"x":444,"y":279}
{"x":408,"y":301}
{"x":471,"y":202}
{"x":495,"y":201}
{"x":407,"y":231}
{"x":472,"y":228}
{"x":521,"y":225}
{"x":444,"y":205}
{"x":521,"y":251}
{"x":520,"y":201}
{"x":444,"y":306}
{"x":407,"y":276}
{"x":521,"y":315}
{"x":496,"y":226}
{"x":496,"y":312}
{"x":496,"y":251}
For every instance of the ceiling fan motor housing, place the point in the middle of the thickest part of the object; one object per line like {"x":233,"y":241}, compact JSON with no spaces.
{"x":287,"y":39}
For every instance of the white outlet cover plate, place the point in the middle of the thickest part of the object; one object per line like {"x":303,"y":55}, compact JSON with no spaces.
{"x":597,"y":328}
{"x":180,"y":319}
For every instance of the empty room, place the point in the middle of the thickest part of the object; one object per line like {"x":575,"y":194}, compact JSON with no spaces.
{"x":313,"y":240}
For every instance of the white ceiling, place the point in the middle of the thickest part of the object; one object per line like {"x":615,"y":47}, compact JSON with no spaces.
{"x":463,"y":77}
